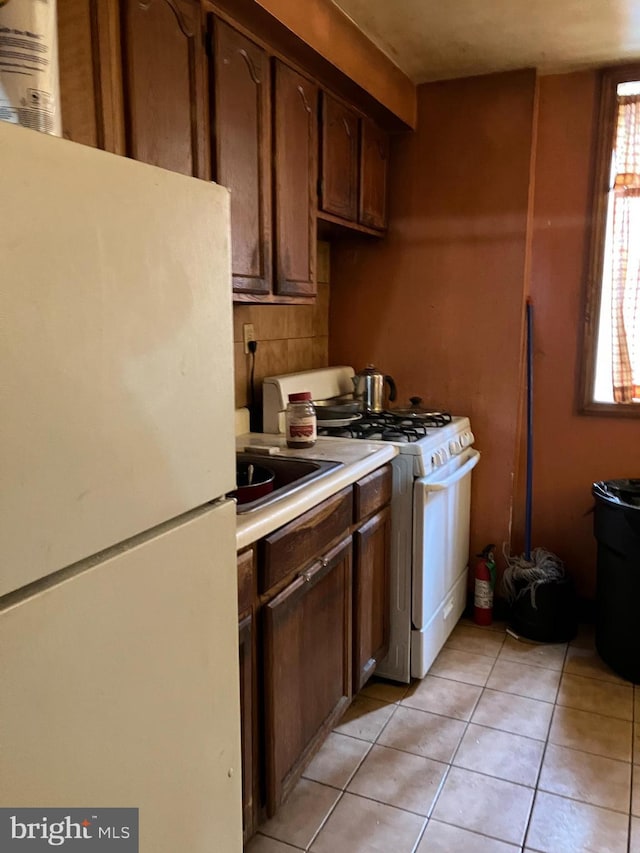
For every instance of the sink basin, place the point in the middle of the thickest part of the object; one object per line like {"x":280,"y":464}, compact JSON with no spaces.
{"x":291,"y":475}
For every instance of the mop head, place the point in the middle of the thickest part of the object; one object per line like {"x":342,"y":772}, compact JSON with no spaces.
{"x":524,"y":576}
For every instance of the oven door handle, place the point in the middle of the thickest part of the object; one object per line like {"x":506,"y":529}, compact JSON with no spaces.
{"x":469,"y":465}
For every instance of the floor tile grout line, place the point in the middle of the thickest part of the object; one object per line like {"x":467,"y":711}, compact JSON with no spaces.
{"x":391,"y":716}
{"x":466,"y":728}
{"x":544,"y":753}
{"x":477,"y":832}
{"x":633,"y":731}
{"x":343,"y":791}
{"x":582,"y":802}
{"x":416,"y":843}
{"x":324,"y":821}
{"x":497,"y":689}
{"x":483,"y":689}
{"x":620,"y":682}
{"x":506,"y":731}
{"x":352,"y":774}
{"x":523,"y":695}
{"x":450,"y":762}
{"x":467,"y":723}
{"x":473,"y":710}
{"x":432,"y":808}
{"x":608,"y":716}
{"x":586,"y":751}
{"x":470,"y":651}
{"x":379,"y":803}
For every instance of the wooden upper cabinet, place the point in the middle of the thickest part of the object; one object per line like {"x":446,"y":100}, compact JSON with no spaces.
{"x":78,"y":83}
{"x":164,"y":84}
{"x":295,"y":181}
{"x":91,"y":73}
{"x":374,"y":161}
{"x":339,"y":159}
{"x":241,"y":114}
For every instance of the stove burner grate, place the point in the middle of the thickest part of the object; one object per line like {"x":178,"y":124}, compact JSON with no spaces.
{"x":386,"y":426}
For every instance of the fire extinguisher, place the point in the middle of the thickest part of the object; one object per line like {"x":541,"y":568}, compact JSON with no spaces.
{"x":485,"y":582}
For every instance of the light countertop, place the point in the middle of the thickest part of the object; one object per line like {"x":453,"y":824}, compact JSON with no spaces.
{"x":359,"y":457}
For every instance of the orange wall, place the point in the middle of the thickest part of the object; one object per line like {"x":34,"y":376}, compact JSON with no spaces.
{"x":572,"y":450}
{"x":439,"y":303}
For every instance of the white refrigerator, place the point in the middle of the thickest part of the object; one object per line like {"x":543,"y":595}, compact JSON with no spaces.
{"x":118,"y":608}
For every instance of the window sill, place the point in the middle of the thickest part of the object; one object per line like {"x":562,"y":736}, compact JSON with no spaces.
{"x":611,"y":410}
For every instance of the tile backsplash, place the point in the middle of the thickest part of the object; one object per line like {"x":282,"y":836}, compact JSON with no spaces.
{"x":290,"y":337}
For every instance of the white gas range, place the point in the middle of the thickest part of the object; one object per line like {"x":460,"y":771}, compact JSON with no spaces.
{"x":429,"y":513}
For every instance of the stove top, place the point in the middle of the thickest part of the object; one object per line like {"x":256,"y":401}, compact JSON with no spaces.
{"x":386,"y":426}
{"x":430,"y":438}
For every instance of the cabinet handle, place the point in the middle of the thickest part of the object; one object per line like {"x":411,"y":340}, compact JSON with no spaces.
{"x":252,"y":69}
{"x":188,"y":31}
{"x":304,"y":99}
{"x":347,"y":129}
{"x":311,"y":572}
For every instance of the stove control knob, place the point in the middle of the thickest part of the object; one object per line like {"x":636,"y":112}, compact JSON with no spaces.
{"x":435,"y":462}
{"x":455,"y":446}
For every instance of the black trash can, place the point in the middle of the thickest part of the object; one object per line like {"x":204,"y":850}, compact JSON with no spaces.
{"x":617,"y":530}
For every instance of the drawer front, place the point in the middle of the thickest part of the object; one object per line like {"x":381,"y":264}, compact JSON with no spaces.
{"x":303,"y":540}
{"x":245,"y":580}
{"x":372,"y":492}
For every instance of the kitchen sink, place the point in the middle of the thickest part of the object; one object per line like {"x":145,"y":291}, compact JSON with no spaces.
{"x":290,"y":476}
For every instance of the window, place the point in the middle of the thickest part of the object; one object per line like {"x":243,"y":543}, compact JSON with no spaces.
{"x":611,"y":375}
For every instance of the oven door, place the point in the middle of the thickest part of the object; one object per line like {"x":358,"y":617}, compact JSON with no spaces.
{"x":441,"y":504}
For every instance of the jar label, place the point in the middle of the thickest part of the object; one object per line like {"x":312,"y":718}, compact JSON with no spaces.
{"x":302,"y":428}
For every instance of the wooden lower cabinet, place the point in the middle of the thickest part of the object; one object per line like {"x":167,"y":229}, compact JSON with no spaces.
{"x":307,"y":666}
{"x":247,"y":642}
{"x":371,"y":591}
{"x":313,"y":601}
{"x":247,"y":723}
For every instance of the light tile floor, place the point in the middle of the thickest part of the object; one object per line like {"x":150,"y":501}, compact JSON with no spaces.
{"x":505,"y":747}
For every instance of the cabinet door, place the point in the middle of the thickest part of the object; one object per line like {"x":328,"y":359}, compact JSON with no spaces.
{"x":163,"y":83}
{"x":90,"y":73}
{"x":371,"y":596}
{"x":374,"y":160}
{"x":296,"y":177}
{"x":241,"y":112}
{"x":307,"y":677}
{"x":247,"y":705}
{"x":339,"y":160}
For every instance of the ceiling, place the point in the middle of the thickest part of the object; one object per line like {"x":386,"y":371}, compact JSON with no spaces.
{"x":442,"y":39}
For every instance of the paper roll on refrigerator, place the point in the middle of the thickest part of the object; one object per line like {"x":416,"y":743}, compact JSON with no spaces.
{"x":29,"y":83}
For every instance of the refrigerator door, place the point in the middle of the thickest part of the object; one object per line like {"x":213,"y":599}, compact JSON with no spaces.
{"x":120,"y":688}
{"x":116,"y":358}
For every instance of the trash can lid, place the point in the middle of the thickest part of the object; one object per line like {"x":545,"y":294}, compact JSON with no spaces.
{"x":622,"y":492}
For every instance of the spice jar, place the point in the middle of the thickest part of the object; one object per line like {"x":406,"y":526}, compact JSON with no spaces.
{"x":300,"y":417}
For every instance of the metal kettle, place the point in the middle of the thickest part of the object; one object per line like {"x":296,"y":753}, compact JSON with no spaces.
{"x":369,"y":387}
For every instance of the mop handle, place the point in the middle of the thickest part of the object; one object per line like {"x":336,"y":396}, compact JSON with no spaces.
{"x":529,"y":484}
